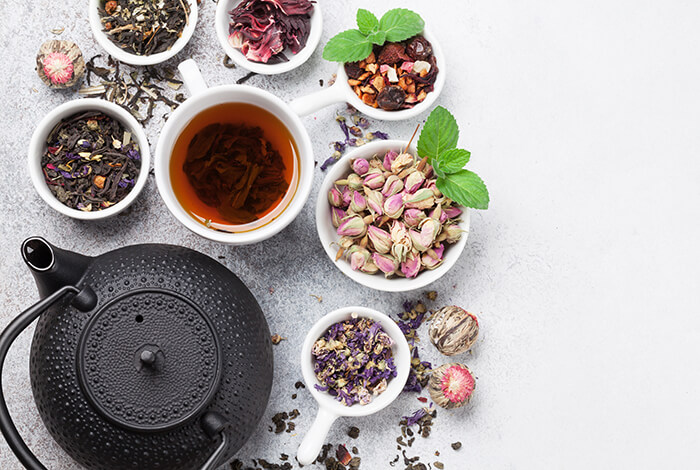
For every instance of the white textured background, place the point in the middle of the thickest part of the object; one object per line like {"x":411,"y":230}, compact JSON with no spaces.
{"x":582,"y":117}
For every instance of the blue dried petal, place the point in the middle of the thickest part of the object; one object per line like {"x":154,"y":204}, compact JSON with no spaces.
{"x":320,"y":388}
{"x":380,"y":135}
{"x":415,"y":417}
{"x":344,"y":128}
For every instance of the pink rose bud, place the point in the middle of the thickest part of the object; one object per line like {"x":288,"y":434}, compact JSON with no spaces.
{"x":438,"y":214}
{"x":411,"y":267}
{"x":358,"y":203}
{"x":412,"y":217}
{"x":358,"y":257}
{"x":386,"y":263}
{"x":335,"y":198}
{"x":421,"y":199}
{"x":381,"y":240}
{"x":337,"y":216}
{"x":360,"y":166}
{"x":389,"y":158}
{"x":375,"y":201}
{"x":352,"y":226}
{"x":401,"y":241}
{"x":393,"y":206}
{"x":433,"y":187}
{"x":374,"y":179}
{"x":369,"y":267}
{"x":347,"y":196}
{"x":429,"y":262}
{"x":453,"y":232}
{"x":439,"y":250}
{"x":452,"y":212}
{"x":402,"y":161}
{"x":414,"y":181}
{"x":393,"y":185}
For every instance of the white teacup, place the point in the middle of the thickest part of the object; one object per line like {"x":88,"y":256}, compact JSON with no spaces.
{"x":204,"y":98}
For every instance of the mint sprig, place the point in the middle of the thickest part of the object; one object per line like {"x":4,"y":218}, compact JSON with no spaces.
{"x":438,"y":142}
{"x":356,"y":44}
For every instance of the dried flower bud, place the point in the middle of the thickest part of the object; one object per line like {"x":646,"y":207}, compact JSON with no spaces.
{"x":421,"y":199}
{"x":337,"y":216}
{"x":453,"y":232}
{"x":352,"y":226}
{"x":358,"y":257}
{"x":402,"y":244}
{"x":347,"y":197}
{"x":413,"y":217}
{"x":453,"y":330}
{"x":354,"y":181}
{"x":386,"y":263}
{"x":393,"y":185}
{"x":411,"y":266}
{"x":430,"y":262}
{"x":451,"y":385}
{"x":438,"y":214}
{"x":360,"y":166}
{"x":60,"y":64}
{"x":346,"y":242}
{"x":389,"y":158}
{"x":369,"y":267}
{"x":358,"y":203}
{"x":433,"y":187}
{"x":393,"y":206}
{"x":374,"y":179}
{"x":402,"y":161}
{"x":414,"y":181}
{"x":375,"y":201}
{"x":335,"y":198}
{"x":452,"y":212}
{"x":381,"y":240}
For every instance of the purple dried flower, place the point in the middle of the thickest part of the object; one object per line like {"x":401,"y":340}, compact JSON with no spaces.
{"x":380,"y":135}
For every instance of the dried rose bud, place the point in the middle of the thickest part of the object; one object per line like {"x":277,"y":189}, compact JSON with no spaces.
{"x":413,"y":217}
{"x":438,"y":214}
{"x":60,"y":64}
{"x":402,"y":161}
{"x":393,"y":185}
{"x":375,"y":201}
{"x":452,"y":212}
{"x":411,"y":266}
{"x":386,"y":263}
{"x":369,"y":267}
{"x":451,"y":385}
{"x":453,"y":330}
{"x":421,"y":199}
{"x":381,"y":239}
{"x":388,"y":159}
{"x":352,"y":226}
{"x":430,"y":262}
{"x":360,"y":166}
{"x":453,"y":232}
{"x":433,"y":188}
{"x":358,"y":256}
{"x":414,"y":181}
{"x":337,"y":216}
{"x":358,"y":203}
{"x":335,"y":197}
{"x":374,"y":179}
{"x":347,"y":196}
{"x":393,"y":206}
{"x":423,"y":240}
{"x":402,"y":244}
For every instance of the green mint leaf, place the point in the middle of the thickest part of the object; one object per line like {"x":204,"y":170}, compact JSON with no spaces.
{"x":453,"y":160}
{"x":465,"y":188}
{"x":348,"y":46}
{"x":440,"y":133}
{"x":400,"y":24}
{"x":377,"y":37}
{"x":437,"y":168}
{"x":366,"y":21}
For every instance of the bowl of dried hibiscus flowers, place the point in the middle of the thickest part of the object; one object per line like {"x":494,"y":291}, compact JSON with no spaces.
{"x":269,"y":36}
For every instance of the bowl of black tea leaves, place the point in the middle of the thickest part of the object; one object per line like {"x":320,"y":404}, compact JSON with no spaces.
{"x":142,"y":32}
{"x":89,"y":159}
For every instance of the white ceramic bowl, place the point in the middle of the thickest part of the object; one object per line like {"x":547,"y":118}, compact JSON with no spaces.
{"x":341,"y":92}
{"x":37,"y":147}
{"x":203,"y":98}
{"x":329,"y":236}
{"x":134,"y":59}
{"x":329,"y":409}
{"x":295,"y":60}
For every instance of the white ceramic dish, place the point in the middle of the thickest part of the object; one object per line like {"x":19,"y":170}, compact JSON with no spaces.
{"x":134,"y":59}
{"x":328,"y":234}
{"x":295,"y":60}
{"x":341,"y":92}
{"x":329,"y":409}
{"x":37,"y":146}
{"x":203,"y":98}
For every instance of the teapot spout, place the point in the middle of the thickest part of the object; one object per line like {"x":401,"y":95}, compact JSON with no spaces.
{"x":52,"y":267}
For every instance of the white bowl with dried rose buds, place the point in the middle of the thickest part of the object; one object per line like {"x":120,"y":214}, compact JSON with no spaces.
{"x":384,"y":223}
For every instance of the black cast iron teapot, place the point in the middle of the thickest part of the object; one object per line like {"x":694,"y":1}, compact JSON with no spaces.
{"x":146,"y":357}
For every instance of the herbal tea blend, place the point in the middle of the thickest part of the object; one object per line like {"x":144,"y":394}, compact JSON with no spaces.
{"x":144,"y":27}
{"x":353,"y":361}
{"x":263,"y":29}
{"x":90,"y":162}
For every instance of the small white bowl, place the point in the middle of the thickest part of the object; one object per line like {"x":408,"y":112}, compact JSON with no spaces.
{"x":295,"y":60}
{"x":329,"y":236}
{"x":329,"y":409}
{"x":37,"y":147}
{"x":135,"y":59}
{"x":341,"y":92}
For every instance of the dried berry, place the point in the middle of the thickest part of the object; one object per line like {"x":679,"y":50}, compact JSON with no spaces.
{"x":392,"y":53}
{"x":453,"y":330}
{"x":451,"y":385}
{"x":353,"y":70}
{"x":354,"y":432}
{"x":391,"y":98}
{"x":60,"y":64}
{"x":419,"y":48}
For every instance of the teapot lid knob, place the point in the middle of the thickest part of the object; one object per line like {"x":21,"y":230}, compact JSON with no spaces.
{"x":148,"y":357}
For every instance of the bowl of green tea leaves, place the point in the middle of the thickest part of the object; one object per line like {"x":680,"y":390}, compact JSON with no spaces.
{"x":89,"y":159}
{"x":143,"y":32}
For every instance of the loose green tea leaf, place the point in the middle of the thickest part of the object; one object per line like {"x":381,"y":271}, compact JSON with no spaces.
{"x":366,"y":21}
{"x":400,"y":24}
{"x":439,"y":134}
{"x":453,"y":160}
{"x":348,"y":46}
{"x":466,"y":188}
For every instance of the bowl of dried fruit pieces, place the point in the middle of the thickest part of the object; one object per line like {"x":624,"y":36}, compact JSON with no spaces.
{"x":145,"y":32}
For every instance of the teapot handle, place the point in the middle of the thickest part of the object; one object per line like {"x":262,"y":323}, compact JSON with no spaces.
{"x":84,"y":300}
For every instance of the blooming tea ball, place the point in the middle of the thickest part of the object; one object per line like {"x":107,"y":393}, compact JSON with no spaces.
{"x":451,"y":385}
{"x":60,"y":64}
{"x":453,"y":330}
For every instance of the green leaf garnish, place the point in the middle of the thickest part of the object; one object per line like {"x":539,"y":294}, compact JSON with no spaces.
{"x":356,"y":44}
{"x":366,"y":21}
{"x":453,"y":160}
{"x":466,"y":188}
{"x":348,"y":46}
{"x":400,"y":24}
{"x":440,"y":133}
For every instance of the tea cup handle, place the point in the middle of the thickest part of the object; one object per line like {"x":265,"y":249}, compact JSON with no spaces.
{"x":194,"y":81}
{"x":308,"y":104}
{"x":315,"y":436}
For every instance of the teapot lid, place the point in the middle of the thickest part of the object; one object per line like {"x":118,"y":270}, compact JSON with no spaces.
{"x":149,"y":360}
